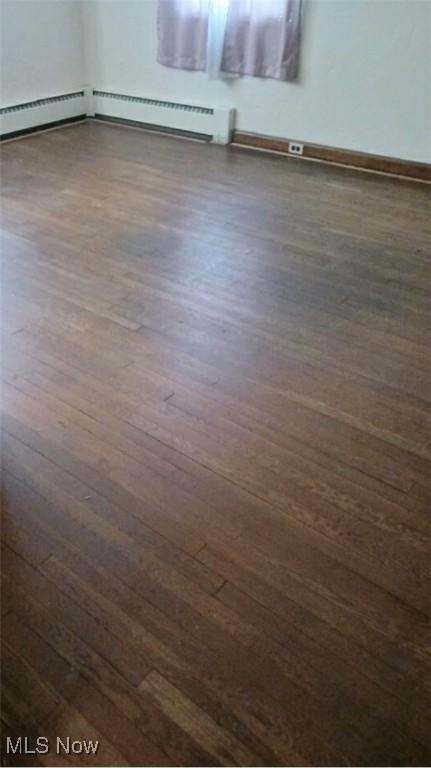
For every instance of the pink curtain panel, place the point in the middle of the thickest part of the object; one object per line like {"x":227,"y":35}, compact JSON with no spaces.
{"x":261,"y":38}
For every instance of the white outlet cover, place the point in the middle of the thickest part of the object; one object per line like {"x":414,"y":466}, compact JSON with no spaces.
{"x":295,"y":148}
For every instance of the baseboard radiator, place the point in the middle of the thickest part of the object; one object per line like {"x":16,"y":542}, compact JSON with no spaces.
{"x":199,"y":121}
{"x":194,"y":120}
{"x":33,"y":115}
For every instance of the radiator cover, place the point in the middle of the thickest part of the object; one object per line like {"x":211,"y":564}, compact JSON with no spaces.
{"x":46,"y":111}
{"x":213,"y":123}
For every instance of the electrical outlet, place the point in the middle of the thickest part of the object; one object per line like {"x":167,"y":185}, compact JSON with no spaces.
{"x":295,"y":148}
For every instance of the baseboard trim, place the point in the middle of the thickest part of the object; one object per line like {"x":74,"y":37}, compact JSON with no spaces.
{"x":43,"y":128}
{"x":360,"y":160}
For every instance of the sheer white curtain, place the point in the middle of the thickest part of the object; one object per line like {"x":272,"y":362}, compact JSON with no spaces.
{"x":246,"y":37}
{"x":217,"y":19}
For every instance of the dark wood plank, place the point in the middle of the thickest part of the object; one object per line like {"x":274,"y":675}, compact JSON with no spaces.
{"x":111,"y":723}
{"x":216,"y":456}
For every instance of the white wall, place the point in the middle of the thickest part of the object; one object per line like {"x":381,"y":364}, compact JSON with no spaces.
{"x":42,"y":50}
{"x":364,"y":84}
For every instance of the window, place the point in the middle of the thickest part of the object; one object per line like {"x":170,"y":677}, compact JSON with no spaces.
{"x":245,"y":37}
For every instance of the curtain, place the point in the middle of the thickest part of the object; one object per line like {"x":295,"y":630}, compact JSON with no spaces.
{"x":217,"y":20}
{"x":183,"y":33}
{"x":262,"y":38}
{"x":245,"y":37}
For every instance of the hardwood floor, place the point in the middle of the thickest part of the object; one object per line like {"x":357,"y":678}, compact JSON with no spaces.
{"x":215,"y":455}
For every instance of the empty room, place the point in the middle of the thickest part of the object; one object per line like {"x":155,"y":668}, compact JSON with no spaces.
{"x":215,"y":382}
